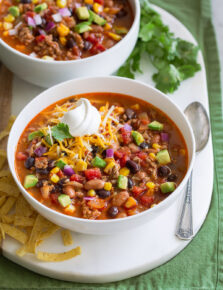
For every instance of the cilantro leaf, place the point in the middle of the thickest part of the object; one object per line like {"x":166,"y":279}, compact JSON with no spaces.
{"x":60,"y":132}
{"x":35,"y":134}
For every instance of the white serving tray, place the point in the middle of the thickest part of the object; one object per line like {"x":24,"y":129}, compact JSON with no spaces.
{"x":116,"y":257}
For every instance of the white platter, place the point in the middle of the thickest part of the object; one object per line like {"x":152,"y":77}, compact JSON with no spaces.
{"x":113,"y":258}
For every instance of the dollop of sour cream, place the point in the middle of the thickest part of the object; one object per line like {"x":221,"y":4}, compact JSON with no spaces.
{"x":83,"y":120}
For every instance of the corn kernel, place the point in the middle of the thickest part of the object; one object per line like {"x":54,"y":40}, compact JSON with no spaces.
{"x":91,"y":192}
{"x":0,"y":24}
{"x":97,"y":8}
{"x":54,"y":178}
{"x":89,"y":2}
{"x":61,"y":3}
{"x":70,"y":209}
{"x":9,"y":18}
{"x":106,"y":9}
{"x":102,"y":108}
{"x":5,"y":33}
{"x":152,"y":156}
{"x":108,"y":27}
{"x":35,"y":1}
{"x":150,"y":185}
{"x":109,"y":166}
{"x":154,"y":204}
{"x":124,"y":171}
{"x":114,"y":36}
{"x":63,"y":30}
{"x":47,"y":57}
{"x":156,"y":146}
{"x":55,"y":170}
{"x":63,"y":40}
{"x":108,"y":186}
{"x":131,"y":202}
{"x":81,"y":165}
{"x":182,"y":152}
{"x":135,"y":107}
{"x":7,"y":25}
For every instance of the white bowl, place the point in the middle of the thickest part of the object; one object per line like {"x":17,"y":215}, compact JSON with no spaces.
{"x":100,"y":84}
{"x":48,"y":73}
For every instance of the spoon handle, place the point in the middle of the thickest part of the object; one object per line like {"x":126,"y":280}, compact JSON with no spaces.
{"x":185,"y":226}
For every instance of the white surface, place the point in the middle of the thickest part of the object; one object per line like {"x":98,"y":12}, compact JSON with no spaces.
{"x":131,"y":253}
{"x":48,"y":73}
{"x":100,"y":84}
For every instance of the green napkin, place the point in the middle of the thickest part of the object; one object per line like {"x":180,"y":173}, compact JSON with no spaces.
{"x":200,"y":265}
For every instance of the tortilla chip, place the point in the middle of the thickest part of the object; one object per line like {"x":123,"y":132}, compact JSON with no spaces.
{"x":9,"y":189}
{"x":15,"y":233}
{"x":22,"y":207}
{"x":67,"y":237}
{"x":8,"y":219}
{"x":6,"y":131}
{"x":4,"y":172}
{"x":50,"y":231}
{"x":23,"y":221}
{"x":58,"y":257}
{"x":21,"y":251}
{"x":2,"y":231}
{"x":2,"y":161}
{"x":7,"y":206}
{"x":2,"y":199}
{"x":3,"y":153}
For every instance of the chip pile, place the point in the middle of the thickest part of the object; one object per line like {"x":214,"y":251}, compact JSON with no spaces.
{"x":21,"y":222}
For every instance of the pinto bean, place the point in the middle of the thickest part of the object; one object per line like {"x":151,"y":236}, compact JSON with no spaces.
{"x":120,"y":198}
{"x":69,"y":190}
{"x":45,"y":191}
{"x":94,"y":184}
{"x":75,"y":184}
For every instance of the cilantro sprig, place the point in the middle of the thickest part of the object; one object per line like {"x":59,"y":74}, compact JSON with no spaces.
{"x":60,"y":132}
{"x":175,"y":59}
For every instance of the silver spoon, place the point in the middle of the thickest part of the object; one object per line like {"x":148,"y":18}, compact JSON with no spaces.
{"x":199,"y":121}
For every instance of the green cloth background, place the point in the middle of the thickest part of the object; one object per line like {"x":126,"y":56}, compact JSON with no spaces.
{"x":200,"y":265}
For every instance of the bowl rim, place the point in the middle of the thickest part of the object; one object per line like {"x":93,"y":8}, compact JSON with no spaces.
{"x":112,"y":221}
{"x":136,"y":12}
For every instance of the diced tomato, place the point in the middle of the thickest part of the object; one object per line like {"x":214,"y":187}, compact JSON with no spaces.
{"x":126,"y":136}
{"x":143,"y":164}
{"x":118,"y":154}
{"x":123,"y":160}
{"x":100,"y":47}
{"x":77,"y":177}
{"x":144,"y":122}
{"x":97,"y":203}
{"x":146,"y":200}
{"x":54,"y":198}
{"x":137,"y":191}
{"x":101,"y":2}
{"x":21,"y":156}
{"x":30,"y":14}
{"x":92,"y":38}
{"x":94,"y":173}
{"x":60,"y":173}
{"x":142,"y":155}
{"x":40,"y":38}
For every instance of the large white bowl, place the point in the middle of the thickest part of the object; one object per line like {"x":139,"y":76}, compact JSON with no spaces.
{"x":100,"y":84}
{"x":48,"y":73}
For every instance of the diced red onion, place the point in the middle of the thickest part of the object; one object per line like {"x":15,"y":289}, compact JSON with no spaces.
{"x":12,"y":32}
{"x":38,"y":20}
{"x":49,"y":26}
{"x":31,"y":22}
{"x":68,"y":170}
{"x":127,"y":127}
{"x":88,"y":197}
{"x":109,"y":153}
{"x":64,"y":12}
{"x":18,"y":25}
{"x":57,"y":17}
{"x":164,"y":137}
{"x":42,"y":32}
{"x":39,"y":151}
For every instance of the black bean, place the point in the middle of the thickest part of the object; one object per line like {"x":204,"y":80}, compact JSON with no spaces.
{"x":39,"y":184}
{"x":135,"y":123}
{"x":163,"y":171}
{"x":103,"y":154}
{"x":132,"y":166}
{"x":57,"y":188}
{"x":144,"y":145}
{"x":42,"y":171}
{"x":130,"y":182}
{"x":113,"y":211}
{"x":102,"y":193}
{"x":87,"y":45}
{"x":70,"y":43}
{"x":89,"y":6}
{"x":25,"y":1}
{"x":62,"y":181}
{"x":172,"y":177}
{"x":129,"y":113}
{"x":94,"y":149}
{"x":72,"y":100}
{"x":29,"y":162}
{"x":121,"y":13}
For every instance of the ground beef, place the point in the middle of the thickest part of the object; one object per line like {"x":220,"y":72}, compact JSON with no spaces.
{"x":48,"y":47}
{"x":41,"y":162}
{"x":78,"y":39}
{"x":115,"y":171}
{"x":25,"y":35}
{"x":88,"y":213}
{"x":69,"y":21}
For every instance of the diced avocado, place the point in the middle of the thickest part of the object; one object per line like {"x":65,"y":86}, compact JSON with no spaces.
{"x":97,"y":19}
{"x":30,"y":181}
{"x":64,"y":200}
{"x":60,"y":163}
{"x":121,"y":30}
{"x":14,"y":10}
{"x":163,"y":157}
{"x":40,"y":7}
{"x":122,"y":182}
{"x":167,"y":187}
{"x":82,"y":13}
{"x":98,"y":162}
{"x":35,"y":134}
{"x":138,"y":138}
{"x":155,"y":126}
{"x":82,"y":27}
{"x":49,"y":140}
